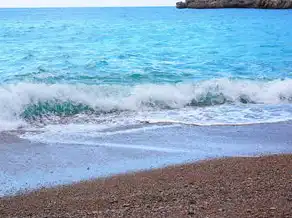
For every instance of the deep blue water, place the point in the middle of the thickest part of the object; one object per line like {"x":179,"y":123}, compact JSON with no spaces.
{"x":102,"y":68}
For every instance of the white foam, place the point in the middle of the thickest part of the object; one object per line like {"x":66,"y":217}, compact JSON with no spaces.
{"x":140,"y":99}
{"x":110,"y":145}
{"x":85,"y":131}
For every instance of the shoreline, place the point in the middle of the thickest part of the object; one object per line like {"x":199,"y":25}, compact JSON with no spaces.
{"x":227,"y":187}
{"x":27,"y":165}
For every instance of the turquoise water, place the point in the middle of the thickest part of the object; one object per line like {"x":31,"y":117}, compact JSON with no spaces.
{"x":97,"y":69}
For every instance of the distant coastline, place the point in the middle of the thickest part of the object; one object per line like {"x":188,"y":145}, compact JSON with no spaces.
{"x":264,"y":4}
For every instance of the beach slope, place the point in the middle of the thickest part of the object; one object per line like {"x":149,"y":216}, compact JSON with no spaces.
{"x":231,"y":187}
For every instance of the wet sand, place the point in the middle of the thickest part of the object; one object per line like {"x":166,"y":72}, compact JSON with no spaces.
{"x":231,"y":187}
{"x":28,"y":164}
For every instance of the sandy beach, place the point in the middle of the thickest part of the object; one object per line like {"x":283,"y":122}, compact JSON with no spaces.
{"x":231,"y":187}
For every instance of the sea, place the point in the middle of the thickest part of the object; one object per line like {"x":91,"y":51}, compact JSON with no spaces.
{"x":86,"y":83}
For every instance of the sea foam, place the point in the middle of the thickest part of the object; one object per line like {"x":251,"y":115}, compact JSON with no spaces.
{"x":24,"y":103}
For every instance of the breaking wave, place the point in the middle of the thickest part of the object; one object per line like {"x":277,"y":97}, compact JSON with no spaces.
{"x":27,"y":102}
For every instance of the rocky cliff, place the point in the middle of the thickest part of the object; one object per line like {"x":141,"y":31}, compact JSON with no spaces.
{"x":272,"y":4}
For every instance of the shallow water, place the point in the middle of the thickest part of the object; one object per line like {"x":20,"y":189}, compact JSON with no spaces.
{"x":26,"y":165}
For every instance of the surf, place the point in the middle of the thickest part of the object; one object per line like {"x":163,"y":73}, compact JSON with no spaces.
{"x":38,"y":102}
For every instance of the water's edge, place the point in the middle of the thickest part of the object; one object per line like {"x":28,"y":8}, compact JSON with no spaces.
{"x":29,"y":165}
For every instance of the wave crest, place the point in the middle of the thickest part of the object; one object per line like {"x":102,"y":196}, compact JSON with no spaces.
{"x":30,"y":101}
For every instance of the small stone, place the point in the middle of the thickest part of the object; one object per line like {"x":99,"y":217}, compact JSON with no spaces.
{"x":113,"y":201}
{"x":192,"y":201}
{"x":159,"y":200}
{"x":202,"y":207}
{"x":221,"y":209}
{"x":191,"y":212}
{"x":126,"y":205}
{"x":248,"y":210}
{"x":272,"y":208}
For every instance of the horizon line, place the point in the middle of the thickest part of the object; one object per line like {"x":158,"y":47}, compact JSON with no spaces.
{"x":115,"y":6}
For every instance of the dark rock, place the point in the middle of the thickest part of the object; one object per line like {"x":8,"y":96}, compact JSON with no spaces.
{"x":181,"y":5}
{"x":271,"y":4}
